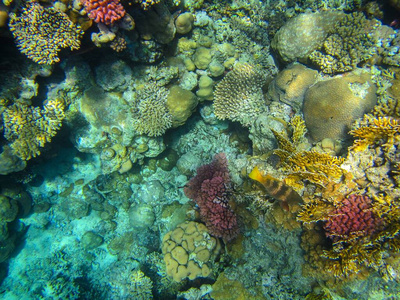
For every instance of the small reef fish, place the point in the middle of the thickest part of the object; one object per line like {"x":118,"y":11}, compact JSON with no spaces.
{"x":276,"y":189}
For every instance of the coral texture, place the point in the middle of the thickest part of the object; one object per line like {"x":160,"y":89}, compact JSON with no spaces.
{"x":189,"y":251}
{"x":354,"y":218}
{"x":151,"y":113}
{"x":40,"y":33}
{"x":30,"y":128}
{"x":350,"y":44}
{"x":239,"y":97}
{"x":210,"y":188}
{"x":104,"y":11}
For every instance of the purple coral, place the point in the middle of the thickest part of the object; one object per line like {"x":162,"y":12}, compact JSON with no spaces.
{"x":354,"y":218}
{"x":209,"y":189}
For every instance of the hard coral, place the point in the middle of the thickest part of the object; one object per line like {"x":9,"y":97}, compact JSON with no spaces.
{"x":349,"y":44}
{"x":353,"y":218}
{"x":151,"y":113}
{"x":239,"y":96}
{"x":209,"y":189}
{"x":104,"y":11}
{"x":189,"y":251}
{"x":40,"y":33}
{"x":30,"y":128}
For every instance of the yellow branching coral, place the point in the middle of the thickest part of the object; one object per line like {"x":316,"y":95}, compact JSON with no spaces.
{"x":239,"y":97}
{"x":150,"y":112}
{"x":299,"y":128}
{"x":383,"y":130}
{"x":319,"y":168}
{"x":146,"y":4}
{"x":40,"y":33}
{"x":30,"y":128}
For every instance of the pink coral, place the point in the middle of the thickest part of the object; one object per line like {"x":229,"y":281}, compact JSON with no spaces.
{"x":104,"y":11}
{"x":354,"y":218}
{"x":209,"y":189}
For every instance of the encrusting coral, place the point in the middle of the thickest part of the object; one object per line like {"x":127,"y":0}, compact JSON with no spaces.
{"x":40,"y":33}
{"x":29,"y":128}
{"x":239,"y":97}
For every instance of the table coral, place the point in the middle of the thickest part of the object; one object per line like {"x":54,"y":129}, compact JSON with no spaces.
{"x":40,"y":33}
{"x":210,"y":189}
{"x":189,"y":251}
{"x":104,"y":11}
{"x":239,"y":96}
{"x":29,"y":128}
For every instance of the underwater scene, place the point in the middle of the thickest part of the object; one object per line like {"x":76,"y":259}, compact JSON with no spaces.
{"x":199,"y":150}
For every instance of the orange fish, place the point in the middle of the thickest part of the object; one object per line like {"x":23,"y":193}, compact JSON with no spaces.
{"x":276,"y":189}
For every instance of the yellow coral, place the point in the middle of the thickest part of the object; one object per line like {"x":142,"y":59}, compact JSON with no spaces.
{"x":383,"y":130}
{"x":299,"y":128}
{"x":30,"y":128}
{"x":40,"y":33}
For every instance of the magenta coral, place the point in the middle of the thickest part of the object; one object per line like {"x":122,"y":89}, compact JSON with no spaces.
{"x":104,"y":11}
{"x":354,"y":218}
{"x":209,"y":189}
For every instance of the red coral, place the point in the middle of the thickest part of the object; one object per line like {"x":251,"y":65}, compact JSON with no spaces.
{"x":104,"y":11}
{"x":354,"y":218}
{"x":209,"y":189}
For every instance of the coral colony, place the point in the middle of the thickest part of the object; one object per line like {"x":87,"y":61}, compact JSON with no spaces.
{"x":184,"y":149}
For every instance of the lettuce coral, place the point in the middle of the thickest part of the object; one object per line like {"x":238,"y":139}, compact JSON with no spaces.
{"x":40,"y":33}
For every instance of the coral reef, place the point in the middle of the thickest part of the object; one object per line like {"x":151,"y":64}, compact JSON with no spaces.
{"x":353,"y":218}
{"x":238,"y":96}
{"x":350,"y":43}
{"x":30,"y":128}
{"x":210,"y":190}
{"x":104,"y":11}
{"x":151,"y":112}
{"x":189,"y":251}
{"x":331,"y":106}
{"x":40,"y":33}
{"x":300,"y":36}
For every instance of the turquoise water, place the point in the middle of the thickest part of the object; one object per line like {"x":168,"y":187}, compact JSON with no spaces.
{"x":199,"y":150}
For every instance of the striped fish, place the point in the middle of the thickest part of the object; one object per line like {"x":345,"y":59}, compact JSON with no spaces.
{"x":276,"y":189}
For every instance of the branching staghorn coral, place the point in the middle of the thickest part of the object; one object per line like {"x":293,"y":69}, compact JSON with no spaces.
{"x":151,"y":114}
{"x":40,"y":33}
{"x":239,"y":97}
{"x":29,"y":128}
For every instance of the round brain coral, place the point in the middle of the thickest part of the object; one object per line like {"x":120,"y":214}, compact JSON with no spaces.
{"x":331,"y":106}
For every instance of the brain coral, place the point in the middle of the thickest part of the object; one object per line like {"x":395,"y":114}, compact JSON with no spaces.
{"x":239,"y":96}
{"x":40,"y":33}
{"x":189,"y":251}
{"x":151,"y":113}
{"x":302,"y":35}
{"x":331,"y":106}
